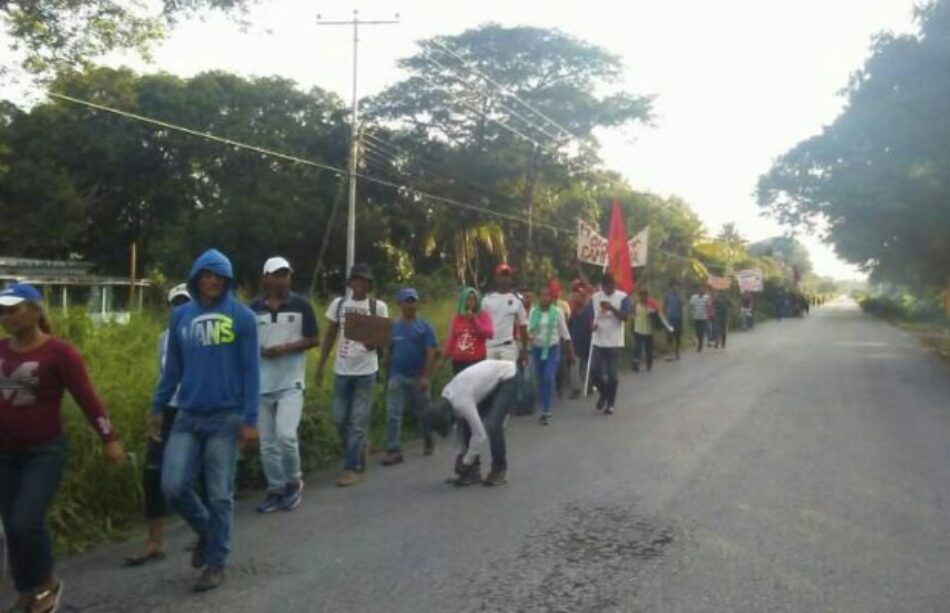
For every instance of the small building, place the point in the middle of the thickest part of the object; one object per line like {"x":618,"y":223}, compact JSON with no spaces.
{"x":69,"y":284}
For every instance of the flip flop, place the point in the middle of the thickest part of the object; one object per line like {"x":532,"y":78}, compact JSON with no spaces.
{"x":145,"y":558}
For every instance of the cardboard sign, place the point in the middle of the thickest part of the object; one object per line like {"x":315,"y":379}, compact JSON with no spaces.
{"x":750,"y":280}
{"x":369,"y":330}
{"x":592,"y":247}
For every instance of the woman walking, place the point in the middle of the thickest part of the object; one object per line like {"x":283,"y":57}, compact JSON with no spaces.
{"x":547,"y":328}
{"x":471,"y":327}
{"x":159,"y":429}
{"x":35,"y":369}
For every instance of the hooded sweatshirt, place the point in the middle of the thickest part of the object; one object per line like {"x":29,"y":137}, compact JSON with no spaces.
{"x":467,"y":337}
{"x":213,"y":355}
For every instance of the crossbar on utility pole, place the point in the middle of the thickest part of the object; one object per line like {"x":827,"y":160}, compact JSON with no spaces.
{"x":354,"y":129}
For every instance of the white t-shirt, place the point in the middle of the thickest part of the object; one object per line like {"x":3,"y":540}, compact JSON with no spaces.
{"x":561,"y":333}
{"x":470,"y":387}
{"x":608,"y":328}
{"x":506,"y":312}
{"x":352,"y":357}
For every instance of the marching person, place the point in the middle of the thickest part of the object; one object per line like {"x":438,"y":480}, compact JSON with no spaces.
{"x":411,"y":364}
{"x":155,"y":507}
{"x":213,"y":363}
{"x":479,"y":396}
{"x":287,"y":330}
{"x":699,"y":308}
{"x":355,"y":371}
{"x":36,"y":368}
{"x":647,"y":316}
{"x":580,"y":324}
{"x":612,"y":309}
{"x":721,"y":306}
{"x":469,"y":332}
{"x":509,"y":318}
{"x":673,"y":306}
{"x":547,"y":328}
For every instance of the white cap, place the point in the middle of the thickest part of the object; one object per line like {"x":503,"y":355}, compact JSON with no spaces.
{"x":274,"y":264}
{"x":178,"y":291}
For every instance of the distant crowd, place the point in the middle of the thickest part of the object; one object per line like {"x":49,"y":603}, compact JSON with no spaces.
{"x":234,"y":374}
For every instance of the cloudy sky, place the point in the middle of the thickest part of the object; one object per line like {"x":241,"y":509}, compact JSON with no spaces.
{"x":737,"y":82}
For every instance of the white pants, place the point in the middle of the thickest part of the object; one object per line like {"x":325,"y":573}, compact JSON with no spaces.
{"x":278,"y":419}
{"x":509,"y":352}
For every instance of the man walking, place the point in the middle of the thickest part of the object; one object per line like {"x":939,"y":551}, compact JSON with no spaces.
{"x":721,"y":306}
{"x":647,"y":316}
{"x":355,"y":371}
{"x":508,"y":318}
{"x":213,"y":361}
{"x":580,"y":324}
{"x":673,"y":306}
{"x":611,"y":310}
{"x":699,"y":308}
{"x":411,"y":362}
{"x":479,"y":396}
{"x":287,"y":329}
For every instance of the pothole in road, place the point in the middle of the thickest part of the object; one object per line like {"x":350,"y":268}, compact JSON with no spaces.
{"x":587,"y":558}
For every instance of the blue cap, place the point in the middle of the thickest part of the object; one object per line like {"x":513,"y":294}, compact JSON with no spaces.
{"x":20,"y":292}
{"x":406,"y":294}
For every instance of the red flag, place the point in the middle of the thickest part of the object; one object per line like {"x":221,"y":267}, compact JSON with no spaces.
{"x":618,"y":253}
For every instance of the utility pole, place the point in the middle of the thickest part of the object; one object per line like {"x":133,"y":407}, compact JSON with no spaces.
{"x":354,"y":129}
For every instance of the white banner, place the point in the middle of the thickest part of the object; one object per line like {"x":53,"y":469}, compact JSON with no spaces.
{"x":750,"y":280}
{"x":592,"y":247}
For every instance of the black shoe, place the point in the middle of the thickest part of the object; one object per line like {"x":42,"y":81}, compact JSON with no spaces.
{"x":198,"y":554}
{"x":470,"y":476}
{"x":495,"y":478}
{"x":210,"y":579}
{"x":601,"y":402}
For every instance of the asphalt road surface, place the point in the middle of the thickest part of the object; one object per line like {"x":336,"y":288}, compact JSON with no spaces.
{"x":806,"y":468}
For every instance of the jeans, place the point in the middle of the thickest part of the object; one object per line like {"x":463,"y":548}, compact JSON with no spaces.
{"x":207,"y":441}
{"x":155,"y":507}
{"x":604,"y":371}
{"x":642,"y":343}
{"x":676,"y":336}
{"x":399,"y":391}
{"x":722,"y":330}
{"x":699,"y":326}
{"x":546,"y":374}
{"x":352,"y":406}
{"x":29,"y":479}
{"x":493,"y":411}
{"x":278,"y":419}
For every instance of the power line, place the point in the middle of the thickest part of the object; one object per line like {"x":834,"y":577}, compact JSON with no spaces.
{"x":502,"y":88}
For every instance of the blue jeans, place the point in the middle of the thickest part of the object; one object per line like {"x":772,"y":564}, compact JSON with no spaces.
{"x":352,"y":406}
{"x":546,"y":374}
{"x":208,"y":442}
{"x":399,"y":391}
{"x":29,"y":479}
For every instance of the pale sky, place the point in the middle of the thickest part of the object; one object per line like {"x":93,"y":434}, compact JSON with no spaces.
{"x":737,"y":82}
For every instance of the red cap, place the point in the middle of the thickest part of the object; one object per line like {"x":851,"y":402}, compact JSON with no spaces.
{"x":554,"y":286}
{"x":504,"y":269}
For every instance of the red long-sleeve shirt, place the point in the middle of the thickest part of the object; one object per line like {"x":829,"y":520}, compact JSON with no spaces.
{"x":466,"y":339}
{"x":31,"y":394}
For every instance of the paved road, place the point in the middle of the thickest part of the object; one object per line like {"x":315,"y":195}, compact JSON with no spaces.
{"x":807,"y":468}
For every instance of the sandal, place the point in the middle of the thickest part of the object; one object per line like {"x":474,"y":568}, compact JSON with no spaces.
{"x":145,"y":558}
{"x":47,"y":600}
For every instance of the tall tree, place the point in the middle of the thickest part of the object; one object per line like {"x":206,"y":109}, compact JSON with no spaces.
{"x":879,"y":175}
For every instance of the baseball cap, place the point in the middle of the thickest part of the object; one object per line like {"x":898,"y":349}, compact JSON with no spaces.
{"x":504,"y":269}
{"x":274,"y":264}
{"x":361,"y":271}
{"x":406,"y":294}
{"x":179,"y":291}
{"x":20,"y":292}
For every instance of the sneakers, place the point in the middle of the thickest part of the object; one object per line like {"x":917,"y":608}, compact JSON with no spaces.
{"x":292,"y":496}
{"x":348,"y":478}
{"x":495,"y":478}
{"x":544,"y":421}
{"x":470,"y":476}
{"x":198,"y":553}
{"x":460,"y":465}
{"x":392,"y":458}
{"x":271,"y":503}
{"x":601,"y":402}
{"x":609,"y":410}
{"x":210,"y":578}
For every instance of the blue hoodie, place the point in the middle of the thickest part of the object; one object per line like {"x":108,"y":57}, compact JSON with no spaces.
{"x":213,"y":357}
